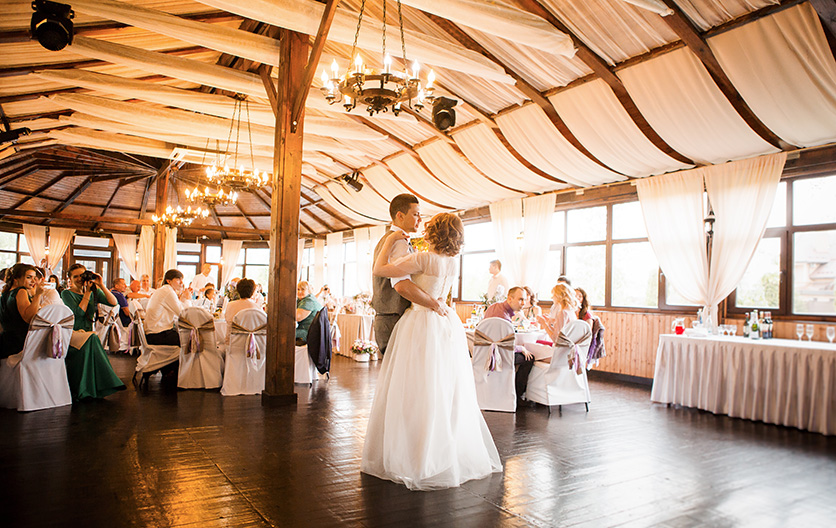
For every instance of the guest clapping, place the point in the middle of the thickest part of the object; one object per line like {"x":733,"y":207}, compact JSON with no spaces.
{"x":19,"y":302}
{"x":164,"y":307}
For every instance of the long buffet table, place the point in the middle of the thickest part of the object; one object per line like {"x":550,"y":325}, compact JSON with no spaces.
{"x":776,"y":381}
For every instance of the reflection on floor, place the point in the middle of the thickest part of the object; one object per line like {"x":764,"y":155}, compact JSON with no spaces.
{"x":163,"y":457}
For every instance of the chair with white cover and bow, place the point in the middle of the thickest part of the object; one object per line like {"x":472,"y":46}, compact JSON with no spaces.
{"x":108,"y":328}
{"x":245,"y":357}
{"x":493,"y":365}
{"x":201,"y":363}
{"x":36,"y":377}
{"x":562,"y":380}
{"x":151,"y":357}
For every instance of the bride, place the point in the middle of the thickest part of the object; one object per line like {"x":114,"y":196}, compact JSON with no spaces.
{"x":425,"y":429}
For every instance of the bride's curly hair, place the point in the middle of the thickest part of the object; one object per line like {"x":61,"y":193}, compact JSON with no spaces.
{"x":445,"y":233}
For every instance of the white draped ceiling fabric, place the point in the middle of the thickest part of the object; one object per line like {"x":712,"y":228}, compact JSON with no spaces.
{"x":683,"y":104}
{"x":111,"y":141}
{"x":363,"y":256}
{"x":35,"y":236}
{"x":145,"y":249}
{"x":416,"y":177}
{"x":620,"y":145}
{"x":388,"y":187}
{"x":59,"y":241}
{"x":230,"y":251}
{"x":534,"y":136}
{"x":169,"y":250}
{"x":507,"y":222}
{"x":126,"y":246}
{"x":790,"y":84}
{"x":334,"y":262}
{"x":741,"y":193}
{"x":319,"y":264}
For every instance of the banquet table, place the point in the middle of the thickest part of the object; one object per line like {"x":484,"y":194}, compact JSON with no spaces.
{"x":353,"y":327}
{"x":520,"y":338}
{"x":777,"y":381}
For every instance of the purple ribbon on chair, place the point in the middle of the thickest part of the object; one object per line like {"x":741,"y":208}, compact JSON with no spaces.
{"x":253,"y":353}
{"x":195,"y":339}
{"x":494,"y":363}
{"x":574,"y":356}
{"x":56,"y":343}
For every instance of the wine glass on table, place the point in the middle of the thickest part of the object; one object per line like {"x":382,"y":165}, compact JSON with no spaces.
{"x":810,"y":331}
{"x":799,"y":330}
{"x":831,"y":333}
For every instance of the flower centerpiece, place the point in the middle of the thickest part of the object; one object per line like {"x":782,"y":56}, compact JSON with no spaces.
{"x":364,"y":350}
{"x":363,"y":303}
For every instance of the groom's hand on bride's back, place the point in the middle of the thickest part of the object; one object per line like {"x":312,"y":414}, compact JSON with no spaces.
{"x":441,"y":308}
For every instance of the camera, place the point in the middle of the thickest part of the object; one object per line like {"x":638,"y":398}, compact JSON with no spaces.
{"x":89,"y":276}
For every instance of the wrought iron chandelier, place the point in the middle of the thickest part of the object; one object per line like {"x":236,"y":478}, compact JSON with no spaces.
{"x":179,"y":217}
{"x":379,"y":90}
{"x":228,"y":173}
{"x":212,"y":198}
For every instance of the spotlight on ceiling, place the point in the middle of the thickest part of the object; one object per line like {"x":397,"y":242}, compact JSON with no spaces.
{"x":353,"y":180}
{"x":52,"y":24}
{"x":443,"y":114}
{"x":14,"y":134}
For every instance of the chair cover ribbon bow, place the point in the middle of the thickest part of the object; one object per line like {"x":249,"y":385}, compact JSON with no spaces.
{"x":114,"y":337}
{"x":253,"y":353}
{"x":494,"y":363}
{"x":56,"y":349}
{"x":195,"y":339}
{"x":574,"y":355}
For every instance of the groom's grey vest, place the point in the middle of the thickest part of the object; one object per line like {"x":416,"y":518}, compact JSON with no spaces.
{"x":385,"y":300}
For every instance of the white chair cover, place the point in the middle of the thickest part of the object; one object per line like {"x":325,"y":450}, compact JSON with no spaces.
{"x":109,"y":329}
{"x":152,"y":357}
{"x":201,"y":363}
{"x":493,"y":365}
{"x":36,"y":377}
{"x":244,"y":370}
{"x":304,"y":370}
{"x":555,"y":383}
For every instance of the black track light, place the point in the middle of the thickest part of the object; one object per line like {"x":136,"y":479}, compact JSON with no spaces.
{"x":444,"y":116}
{"x":353,"y":180}
{"x":52,"y":24}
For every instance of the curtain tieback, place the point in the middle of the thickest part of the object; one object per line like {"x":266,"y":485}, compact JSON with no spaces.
{"x":195,"y":332}
{"x":494,"y":363}
{"x":56,"y":350}
{"x":252,"y":346}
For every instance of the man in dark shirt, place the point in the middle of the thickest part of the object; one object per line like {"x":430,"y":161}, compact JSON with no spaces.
{"x":523,"y":360}
{"x":118,"y":291}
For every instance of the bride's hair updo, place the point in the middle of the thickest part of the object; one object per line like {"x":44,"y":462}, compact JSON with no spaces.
{"x":445,"y":233}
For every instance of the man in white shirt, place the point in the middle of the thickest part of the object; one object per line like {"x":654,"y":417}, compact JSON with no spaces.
{"x":164,"y":307}
{"x":201,"y":280}
{"x":498,"y":285}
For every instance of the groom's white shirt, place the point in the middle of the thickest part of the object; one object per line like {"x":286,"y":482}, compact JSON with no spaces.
{"x":399,"y":249}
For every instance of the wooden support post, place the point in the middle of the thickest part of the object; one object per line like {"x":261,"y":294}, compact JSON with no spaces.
{"x":159,"y":230}
{"x":284,"y":229}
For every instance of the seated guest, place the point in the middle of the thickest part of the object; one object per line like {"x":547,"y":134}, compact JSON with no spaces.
{"x":145,"y":285}
{"x":306,"y":309}
{"x":208,"y":299}
{"x":88,"y":370}
{"x":51,"y":295}
{"x":258,"y":297}
{"x":530,"y":310}
{"x":134,"y":292}
{"x":3,"y":278}
{"x":19,"y":302}
{"x":163,"y":308}
{"x":584,"y":312}
{"x":565,"y":303}
{"x":118,"y":291}
{"x":246,"y":289}
{"x":524,"y":359}
{"x":231,"y":289}
{"x":53,"y":279}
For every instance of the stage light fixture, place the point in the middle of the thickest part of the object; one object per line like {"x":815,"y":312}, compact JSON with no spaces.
{"x":444,"y":116}
{"x":353,"y":181}
{"x":52,"y":24}
{"x":14,"y":134}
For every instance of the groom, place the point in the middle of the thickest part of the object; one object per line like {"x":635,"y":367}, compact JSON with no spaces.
{"x":391,"y":297}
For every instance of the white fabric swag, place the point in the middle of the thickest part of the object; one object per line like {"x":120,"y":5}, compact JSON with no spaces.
{"x":506,"y":218}
{"x":785,"y":70}
{"x":170,"y":250}
{"x":35,"y":237}
{"x":741,"y":194}
{"x":319,"y":264}
{"x":126,"y":245}
{"x":300,"y":252}
{"x":145,"y":248}
{"x":334,"y":262}
{"x":363,"y":249}
{"x":59,"y":241}
{"x":230,"y":251}
{"x":538,"y":212}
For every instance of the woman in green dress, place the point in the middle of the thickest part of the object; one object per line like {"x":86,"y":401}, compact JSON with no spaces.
{"x":88,"y":369}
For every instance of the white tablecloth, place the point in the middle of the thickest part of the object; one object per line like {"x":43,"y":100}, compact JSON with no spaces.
{"x":777,"y":381}
{"x":352,"y":328}
{"x":520,"y":338}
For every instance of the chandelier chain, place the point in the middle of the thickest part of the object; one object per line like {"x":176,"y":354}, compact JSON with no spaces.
{"x":250,"y":134}
{"x":357,"y":32}
{"x":237,"y":135}
{"x":403,"y":43}
{"x":384,"y":30}
{"x":229,"y":136}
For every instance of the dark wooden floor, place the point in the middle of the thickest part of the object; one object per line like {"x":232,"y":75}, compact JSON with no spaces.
{"x":194,"y":458}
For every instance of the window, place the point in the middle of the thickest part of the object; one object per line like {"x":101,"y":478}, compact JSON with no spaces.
{"x":10,"y":252}
{"x":188,"y":260}
{"x":760,"y":284}
{"x":814,"y":273}
{"x":635,"y":275}
{"x":257,"y":265}
{"x":349,"y":282}
{"x":477,"y":253}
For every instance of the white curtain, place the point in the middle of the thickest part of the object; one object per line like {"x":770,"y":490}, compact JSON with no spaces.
{"x":319,"y":264}
{"x":538,"y":214}
{"x":300,"y":252}
{"x":741,"y":194}
{"x":145,"y":248}
{"x":785,"y":70}
{"x":126,"y":245}
{"x":170,"y":249}
{"x":230,"y":251}
{"x":363,"y":247}
{"x":375,"y":234}
{"x":507,"y":221}
{"x":334,"y":261}
{"x":59,"y":241}
{"x":35,"y":236}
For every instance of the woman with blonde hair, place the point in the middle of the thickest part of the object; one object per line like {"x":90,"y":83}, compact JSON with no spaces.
{"x":563,"y":311}
{"x":425,"y":427}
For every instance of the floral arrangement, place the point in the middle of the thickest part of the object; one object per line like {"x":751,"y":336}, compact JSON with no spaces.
{"x":485,"y":302}
{"x":364,"y":347}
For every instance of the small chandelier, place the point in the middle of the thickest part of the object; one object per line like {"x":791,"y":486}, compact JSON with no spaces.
{"x":212,"y":198}
{"x":179,"y":217}
{"x":378,"y":90}
{"x":232,"y":178}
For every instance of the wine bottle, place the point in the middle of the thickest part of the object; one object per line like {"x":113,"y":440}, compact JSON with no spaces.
{"x":746,"y":326}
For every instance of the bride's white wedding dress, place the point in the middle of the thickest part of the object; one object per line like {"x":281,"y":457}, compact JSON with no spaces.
{"x":425,"y":428}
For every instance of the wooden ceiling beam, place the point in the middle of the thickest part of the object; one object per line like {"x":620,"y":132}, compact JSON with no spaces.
{"x":313,"y":61}
{"x":600,"y":68}
{"x":309,"y":230}
{"x":317,"y":220}
{"x":689,"y":34}
{"x":37,"y":192}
